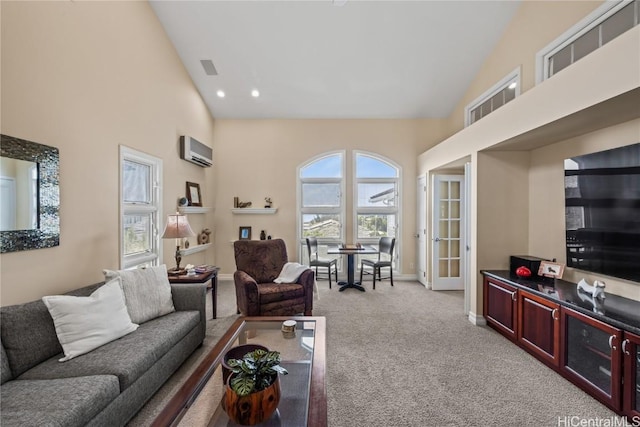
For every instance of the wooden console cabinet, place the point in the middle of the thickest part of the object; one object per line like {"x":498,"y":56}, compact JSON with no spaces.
{"x":594,"y":351}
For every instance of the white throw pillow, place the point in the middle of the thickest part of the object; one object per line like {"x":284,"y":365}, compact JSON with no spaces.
{"x":85,"y":323}
{"x":147,"y":292}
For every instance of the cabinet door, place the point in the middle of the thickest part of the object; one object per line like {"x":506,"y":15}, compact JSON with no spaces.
{"x":539,"y":327}
{"x":631,"y":392}
{"x":591,"y":356}
{"x":500,"y":306}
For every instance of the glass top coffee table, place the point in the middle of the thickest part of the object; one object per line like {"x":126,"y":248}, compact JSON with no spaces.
{"x":303,"y":400}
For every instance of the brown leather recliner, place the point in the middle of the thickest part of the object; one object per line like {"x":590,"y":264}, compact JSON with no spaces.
{"x":258,"y":264}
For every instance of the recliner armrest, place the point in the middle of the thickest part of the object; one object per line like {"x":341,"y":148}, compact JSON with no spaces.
{"x":246,"y":293}
{"x":307,"y":280}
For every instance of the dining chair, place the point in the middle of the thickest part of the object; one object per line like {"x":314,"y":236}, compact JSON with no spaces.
{"x":316,"y":261}
{"x":385,"y":246}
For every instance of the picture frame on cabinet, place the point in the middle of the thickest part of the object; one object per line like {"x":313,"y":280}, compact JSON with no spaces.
{"x":244,"y":233}
{"x":193,"y":194}
{"x":551,"y":269}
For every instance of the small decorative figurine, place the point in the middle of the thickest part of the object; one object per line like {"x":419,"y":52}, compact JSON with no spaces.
{"x":204,"y":236}
{"x":596,"y":291}
{"x":267,"y":202}
{"x":263,"y":235}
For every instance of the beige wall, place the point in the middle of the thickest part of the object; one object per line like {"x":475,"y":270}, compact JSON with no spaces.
{"x":535,"y":25}
{"x":258,"y":158}
{"x":545,"y":115}
{"x":503,"y":209}
{"x":86,"y":77}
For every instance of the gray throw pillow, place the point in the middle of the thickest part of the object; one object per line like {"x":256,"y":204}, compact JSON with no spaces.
{"x":147,"y":292}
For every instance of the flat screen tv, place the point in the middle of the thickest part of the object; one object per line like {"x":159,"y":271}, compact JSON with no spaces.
{"x":602,"y":212}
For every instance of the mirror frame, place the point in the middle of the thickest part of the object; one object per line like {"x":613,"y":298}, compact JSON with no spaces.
{"x":47,"y":235}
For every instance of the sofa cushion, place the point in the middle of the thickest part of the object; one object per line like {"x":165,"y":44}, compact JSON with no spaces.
{"x":85,"y":323}
{"x":147,"y":292}
{"x":57,"y":402}
{"x":273,"y":292}
{"x":128,"y":357}
{"x":5,"y":369}
{"x":28,"y":334}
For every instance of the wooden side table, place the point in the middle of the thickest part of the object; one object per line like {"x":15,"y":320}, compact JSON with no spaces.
{"x":202,"y":278}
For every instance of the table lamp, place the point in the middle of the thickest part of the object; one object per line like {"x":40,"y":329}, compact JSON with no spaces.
{"x":177,"y":228}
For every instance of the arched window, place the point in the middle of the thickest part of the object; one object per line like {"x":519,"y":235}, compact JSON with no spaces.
{"x":377,"y":200}
{"x":320,"y":198}
{"x":375,"y":205}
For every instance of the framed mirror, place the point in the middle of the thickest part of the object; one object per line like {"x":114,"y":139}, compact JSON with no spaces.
{"x":29,"y":195}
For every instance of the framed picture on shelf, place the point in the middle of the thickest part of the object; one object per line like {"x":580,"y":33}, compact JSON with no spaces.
{"x":551,"y":269}
{"x":244,"y":233}
{"x":193,"y":194}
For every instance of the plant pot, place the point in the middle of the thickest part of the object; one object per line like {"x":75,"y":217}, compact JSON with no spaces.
{"x":254,"y":408}
{"x":237,"y":353}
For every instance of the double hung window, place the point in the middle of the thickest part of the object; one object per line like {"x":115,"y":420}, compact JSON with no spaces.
{"x":321,"y":189}
{"x":140,"y":202}
{"x":377,"y":200}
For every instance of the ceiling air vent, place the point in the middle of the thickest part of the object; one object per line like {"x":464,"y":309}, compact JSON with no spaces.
{"x":209,"y":68}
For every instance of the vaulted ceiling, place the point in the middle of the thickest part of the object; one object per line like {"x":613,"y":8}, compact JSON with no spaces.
{"x":333,"y":59}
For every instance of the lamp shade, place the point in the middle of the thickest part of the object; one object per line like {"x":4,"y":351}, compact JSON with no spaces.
{"x":177,"y":227}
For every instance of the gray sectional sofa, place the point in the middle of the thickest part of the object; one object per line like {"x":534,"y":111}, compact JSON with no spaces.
{"x":105,"y":387}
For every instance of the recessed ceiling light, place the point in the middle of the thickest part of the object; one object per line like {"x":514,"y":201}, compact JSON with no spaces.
{"x":255,"y":93}
{"x":513,"y":85}
{"x":220,"y":94}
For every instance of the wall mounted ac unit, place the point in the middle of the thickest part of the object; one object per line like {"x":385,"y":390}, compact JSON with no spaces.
{"x":196,"y":152}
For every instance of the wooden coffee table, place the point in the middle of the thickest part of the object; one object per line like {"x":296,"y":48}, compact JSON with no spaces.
{"x":304,"y":396}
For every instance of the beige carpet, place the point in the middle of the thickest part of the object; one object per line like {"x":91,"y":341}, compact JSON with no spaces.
{"x":406,"y":356}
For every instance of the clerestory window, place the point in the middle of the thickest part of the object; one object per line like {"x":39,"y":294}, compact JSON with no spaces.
{"x":604,"y":24}
{"x":506,"y":90}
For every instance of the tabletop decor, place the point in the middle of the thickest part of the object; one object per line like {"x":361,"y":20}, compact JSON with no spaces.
{"x":252,"y":391}
{"x":551,"y":269}
{"x":193,"y":194}
{"x":177,"y":228}
{"x":244,"y":233}
{"x":237,"y":352}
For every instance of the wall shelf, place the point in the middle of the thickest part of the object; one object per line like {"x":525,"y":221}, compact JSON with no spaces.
{"x":193,"y":209}
{"x":254,"y":211}
{"x":194,"y":249}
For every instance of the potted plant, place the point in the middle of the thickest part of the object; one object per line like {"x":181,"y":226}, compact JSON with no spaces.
{"x":253,"y":389}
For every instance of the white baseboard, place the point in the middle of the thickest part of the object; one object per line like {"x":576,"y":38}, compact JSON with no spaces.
{"x":476,"y":319}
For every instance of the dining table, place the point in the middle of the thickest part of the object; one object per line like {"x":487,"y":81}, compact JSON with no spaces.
{"x":351,"y":251}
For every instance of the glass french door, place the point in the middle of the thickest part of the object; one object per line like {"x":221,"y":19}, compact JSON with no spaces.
{"x":448,"y":250}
